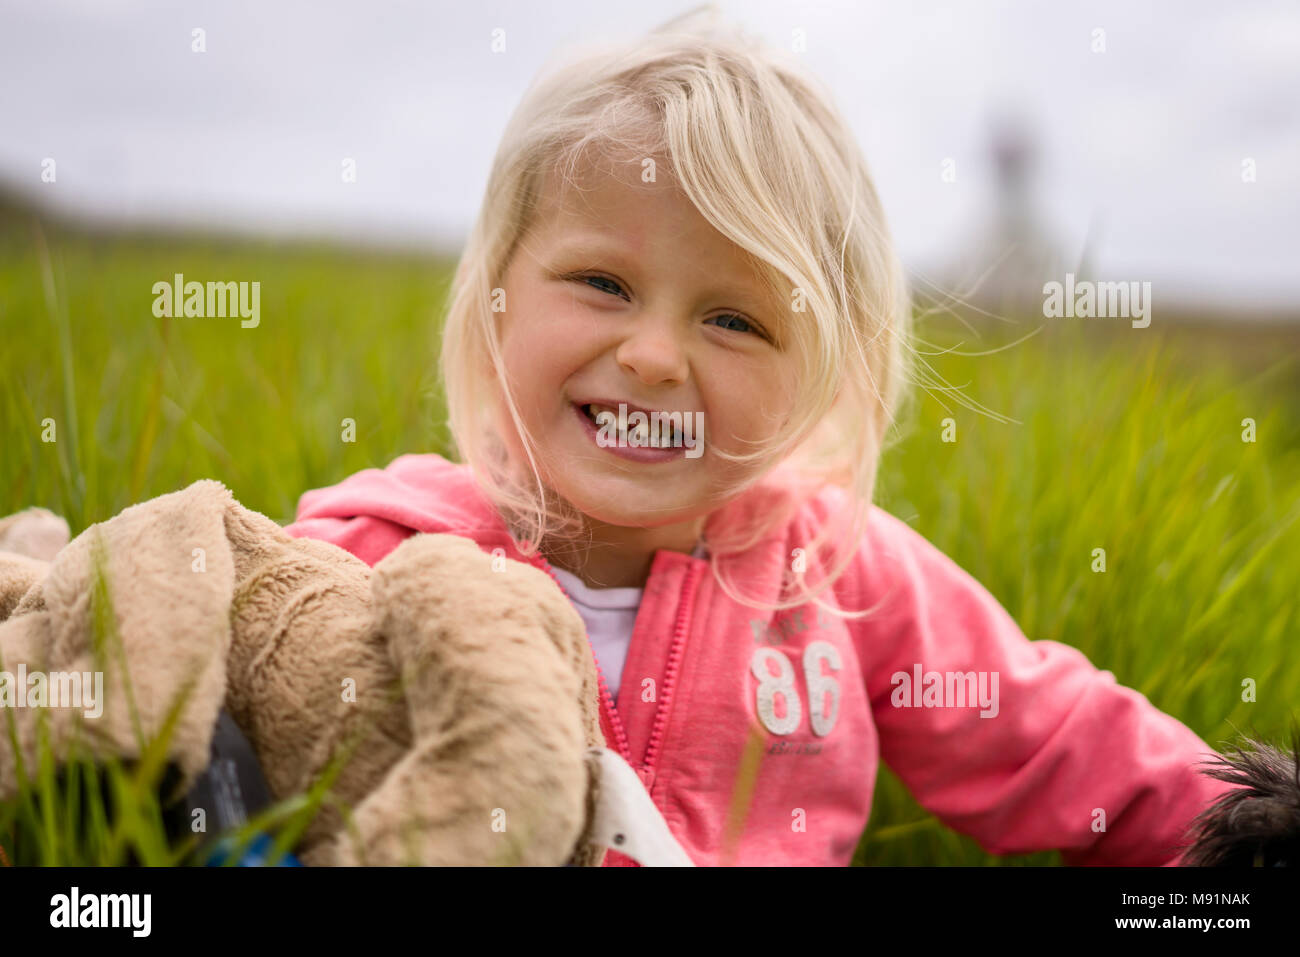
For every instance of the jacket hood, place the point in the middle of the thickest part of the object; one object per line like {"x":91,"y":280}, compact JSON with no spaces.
{"x":428,"y":493}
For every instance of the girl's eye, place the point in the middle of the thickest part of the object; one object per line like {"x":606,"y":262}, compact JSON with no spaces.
{"x":736,"y":323}
{"x":610,"y":285}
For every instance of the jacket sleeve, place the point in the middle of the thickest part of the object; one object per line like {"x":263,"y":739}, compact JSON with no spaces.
{"x":1062,"y":758}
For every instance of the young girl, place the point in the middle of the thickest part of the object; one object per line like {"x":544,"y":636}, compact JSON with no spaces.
{"x":687,"y":227}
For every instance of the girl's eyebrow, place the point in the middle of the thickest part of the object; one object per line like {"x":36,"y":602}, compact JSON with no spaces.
{"x":590,"y":245}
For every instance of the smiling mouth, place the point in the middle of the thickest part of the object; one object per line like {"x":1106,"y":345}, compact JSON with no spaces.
{"x":669,"y":436}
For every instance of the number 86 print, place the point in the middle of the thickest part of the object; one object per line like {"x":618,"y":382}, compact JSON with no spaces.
{"x":821,"y":688}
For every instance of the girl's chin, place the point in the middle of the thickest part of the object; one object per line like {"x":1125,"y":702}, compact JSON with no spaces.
{"x":649,"y":512}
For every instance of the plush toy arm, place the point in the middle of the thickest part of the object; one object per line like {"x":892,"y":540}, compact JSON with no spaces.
{"x":130,"y":583}
{"x":496,"y":773}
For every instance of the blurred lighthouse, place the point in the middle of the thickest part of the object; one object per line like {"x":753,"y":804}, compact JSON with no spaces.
{"x":1004,"y":262}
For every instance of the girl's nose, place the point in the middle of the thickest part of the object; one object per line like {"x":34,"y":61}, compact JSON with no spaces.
{"x":655,"y":352}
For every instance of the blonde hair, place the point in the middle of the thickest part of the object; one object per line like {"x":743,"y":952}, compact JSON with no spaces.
{"x":765,"y":158}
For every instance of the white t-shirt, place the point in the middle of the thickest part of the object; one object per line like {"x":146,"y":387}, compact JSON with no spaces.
{"x":609,"y":614}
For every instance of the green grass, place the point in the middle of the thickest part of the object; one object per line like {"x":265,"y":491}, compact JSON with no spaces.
{"x":1129,"y":440}
{"x":1122,"y":439}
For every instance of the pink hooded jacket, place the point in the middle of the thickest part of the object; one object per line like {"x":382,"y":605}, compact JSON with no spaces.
{"x":1023,"y":745}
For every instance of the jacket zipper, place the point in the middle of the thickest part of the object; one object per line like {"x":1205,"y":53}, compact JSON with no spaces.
{"x":680,"y":629}
{"x":645,"y":771}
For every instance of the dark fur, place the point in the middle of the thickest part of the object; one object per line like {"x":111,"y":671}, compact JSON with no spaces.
{"x":1258,"y":824}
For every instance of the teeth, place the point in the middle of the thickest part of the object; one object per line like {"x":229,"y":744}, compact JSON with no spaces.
{"x":639,"y":432}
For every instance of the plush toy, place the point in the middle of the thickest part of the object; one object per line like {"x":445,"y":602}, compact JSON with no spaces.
{"x":1258,"y":823}
{"x":463,"y":694}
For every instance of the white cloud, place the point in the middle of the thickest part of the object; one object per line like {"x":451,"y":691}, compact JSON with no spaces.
{"x":1148,"y":136}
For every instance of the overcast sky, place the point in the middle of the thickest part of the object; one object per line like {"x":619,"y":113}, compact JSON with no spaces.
{"x":1143,"y":143}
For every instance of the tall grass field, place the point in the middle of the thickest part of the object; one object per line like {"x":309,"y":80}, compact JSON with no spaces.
{"x":1067,"y":436}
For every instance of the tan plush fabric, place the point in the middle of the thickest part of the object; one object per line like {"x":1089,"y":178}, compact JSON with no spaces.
{"x":464,"y":698}
{"x":36,"y":533}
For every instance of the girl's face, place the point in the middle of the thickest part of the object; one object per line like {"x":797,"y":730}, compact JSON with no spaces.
{"x":623,"y":292}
